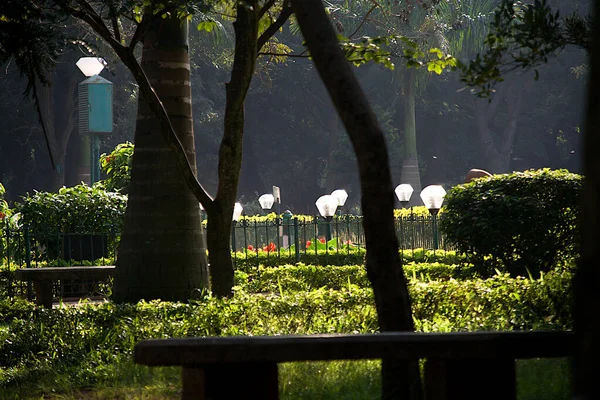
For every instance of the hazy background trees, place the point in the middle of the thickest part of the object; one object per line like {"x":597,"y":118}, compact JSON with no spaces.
{"x":292,"y":136}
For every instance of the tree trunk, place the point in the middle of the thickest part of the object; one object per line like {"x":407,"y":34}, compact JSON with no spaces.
{"x":587,"y":278}
{"x":251,"y":182}
{"x":384,"y":268}
{"x":161,"y":254}
{"x":410,"y":163}
{"x":332,"y":126}
{"x":497,"y":151}
{"x":230,"y":153}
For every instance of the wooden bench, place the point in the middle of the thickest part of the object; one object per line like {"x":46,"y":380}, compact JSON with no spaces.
{"x":470,"y":365}
{"x":43,"y":278}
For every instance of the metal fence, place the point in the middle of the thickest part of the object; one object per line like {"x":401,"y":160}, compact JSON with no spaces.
{"x":21,"y":248}
{"x":340,"y":234}
{"x":250,"y":238}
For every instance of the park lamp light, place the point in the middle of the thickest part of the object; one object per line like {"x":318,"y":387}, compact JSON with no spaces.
{"x":404,"y":192}
{"x":90,"y":66}
{"x":327,"y":205}
{"x":341,"y":195}
{"x":433,"y":197}
{"x":266,"y":201}
{"x":237,"y":212}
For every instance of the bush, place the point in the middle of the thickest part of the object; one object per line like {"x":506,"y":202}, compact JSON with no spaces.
{"x":78,"y":209}
{"x":302,"y":277}
{"x":520,"y":221}
{"x":117,"y":167}
{"x":354,"y":256}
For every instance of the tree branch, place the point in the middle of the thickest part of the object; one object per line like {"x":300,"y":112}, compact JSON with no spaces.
{"x":283,"y":55}
{"x":265,"y":8}
{"x":363,"y":20}
{"x":274,"y":27}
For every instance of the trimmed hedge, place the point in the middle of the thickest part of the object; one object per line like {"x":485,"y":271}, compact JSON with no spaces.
{"x":291,"y":278}
{"x":519,"y":222}
{"x":252,"y":261}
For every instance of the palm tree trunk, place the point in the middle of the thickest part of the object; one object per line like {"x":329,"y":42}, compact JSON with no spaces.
{"x":410,"y":163}
{"x":161,"y":253}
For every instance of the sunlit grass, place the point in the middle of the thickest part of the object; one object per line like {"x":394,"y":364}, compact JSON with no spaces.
{"x":546,"y":379}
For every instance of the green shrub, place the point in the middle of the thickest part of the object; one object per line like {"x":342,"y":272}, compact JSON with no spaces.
{"x":78,"y":209}
{"x":117,"y":167}
{"x":85,"y":341}
{"x":520,"y":221}
{"x":291,"y":278}
{"x":355,"y":256}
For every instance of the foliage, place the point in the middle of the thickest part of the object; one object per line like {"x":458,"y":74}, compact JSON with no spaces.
{"x":90,"y":336}
{"x":303,"y":277}
{"x":250,"y":261}
{"x":524,"y":221}
{"x":4,"y":210}
{"x":524,"y":36}
{"x":117,"y":167}
{"x":78,"y":209}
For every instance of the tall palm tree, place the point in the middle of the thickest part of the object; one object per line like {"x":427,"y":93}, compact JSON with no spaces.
{"x":162,"y":234}
{"x":454,"y":26}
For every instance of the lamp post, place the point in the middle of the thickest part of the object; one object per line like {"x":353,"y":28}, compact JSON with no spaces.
{"x":95,"y":115}
{"x":404,"y":192}
{"x":237,"y":213}
{"x":287,"y":217}
{"x":327,"y":205}
{"x":433,"y":197}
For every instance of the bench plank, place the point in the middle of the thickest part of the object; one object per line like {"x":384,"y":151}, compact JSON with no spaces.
{"x":55,"y":273}
{"x":406,"y":345}
{"x":43,"y":278}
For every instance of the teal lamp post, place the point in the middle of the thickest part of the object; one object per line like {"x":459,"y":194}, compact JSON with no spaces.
{"x":433,"y":197}
{"x":327,"y":205}
{"x":95,"y":106}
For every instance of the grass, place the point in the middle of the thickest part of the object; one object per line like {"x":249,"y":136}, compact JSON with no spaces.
{"x":546,"y":379}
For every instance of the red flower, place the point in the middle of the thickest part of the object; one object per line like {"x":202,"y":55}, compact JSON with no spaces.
{"x":270,"y":247}
{"x":108,"y":159}
{"x":308,"y":243}
{"x":348,"y":242}
{"x":322,"y":240}
{"x":2,"y":215}
{"x":250,"y":248}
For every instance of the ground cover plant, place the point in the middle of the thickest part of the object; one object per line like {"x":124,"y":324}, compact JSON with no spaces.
{"x":85,"y":351}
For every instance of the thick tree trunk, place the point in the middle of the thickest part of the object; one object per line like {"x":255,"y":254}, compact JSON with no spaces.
{"x":161,"y":254}
{"x":230,"y":153}
{"x":587,"y":279}
{"x":384,"y":268}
